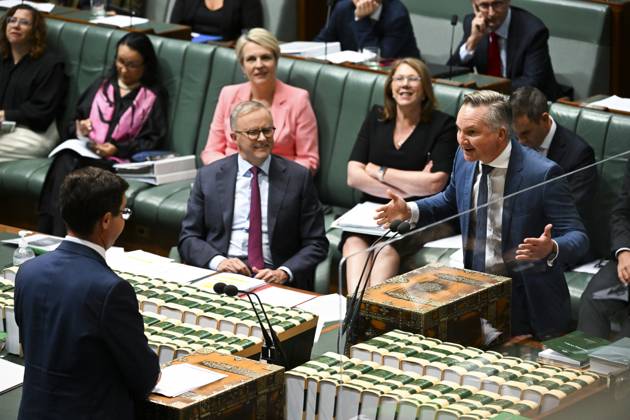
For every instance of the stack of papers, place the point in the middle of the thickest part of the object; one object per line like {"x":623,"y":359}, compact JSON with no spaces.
{"x":161,"y":171}
{"x":11,"y":375}
{"x":310,"y":49}
{"x":360,"y":219}
{"x":240,"y":281}
{"x":120,"y":21}
{"x":279,"y":296}
{"x":184,"y":377}
{"x":613,"y":103}
{"x":38,"y":242}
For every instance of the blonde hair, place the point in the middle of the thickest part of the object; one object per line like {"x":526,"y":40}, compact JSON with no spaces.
{"x":259,"y":36}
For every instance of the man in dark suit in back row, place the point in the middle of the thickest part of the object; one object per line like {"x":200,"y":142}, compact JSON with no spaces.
{"x":596,"y":314}
{"x":385,"y":24}
{"x":535,"y":128}
{"x":255,"y":213}
{"x":505,"y":41}
{"x":85,"y":352}
{"x":530,"y":236}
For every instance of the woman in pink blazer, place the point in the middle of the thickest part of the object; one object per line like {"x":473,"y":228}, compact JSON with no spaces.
{"x":294,"y":119}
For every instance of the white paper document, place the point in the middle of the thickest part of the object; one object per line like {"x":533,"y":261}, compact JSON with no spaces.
{"x":120,"y":21}
{"x":360,"y":219}
{"x":328,"y":308}
{"x":79,"y":146}
{"x":613,"y":102}
{"x":310,"y":48}
{"x":11,"y":375}
{"x":38,"y":242}
{"x":279,"y":296}
{"x":240,"y":281}
{"x":591,"y":267}
{"x":42,"y":7}
{"x":184,"y":377}
{"x":346,"y":56}
{"x":452,"y":242}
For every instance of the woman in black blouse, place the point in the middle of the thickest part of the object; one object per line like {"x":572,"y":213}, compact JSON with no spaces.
{"x":406,"y":147}
{"x":32,"y":86}
{"x":224,"y":18}
{"x":118,"y":116}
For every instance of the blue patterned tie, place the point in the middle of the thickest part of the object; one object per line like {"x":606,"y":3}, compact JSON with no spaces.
{"x":479,"y":243}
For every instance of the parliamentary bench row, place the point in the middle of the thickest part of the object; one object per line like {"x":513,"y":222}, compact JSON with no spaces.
{"x":193,"y":76}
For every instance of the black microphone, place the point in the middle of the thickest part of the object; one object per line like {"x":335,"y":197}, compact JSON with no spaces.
{"x":271,"y":342}
{"x":454,"y":19}
{"x":353,"y":307}
{"x":331,"y":4}
{"x":219,"y":288}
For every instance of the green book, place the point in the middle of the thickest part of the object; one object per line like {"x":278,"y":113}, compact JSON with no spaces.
{"x":575,"y":345}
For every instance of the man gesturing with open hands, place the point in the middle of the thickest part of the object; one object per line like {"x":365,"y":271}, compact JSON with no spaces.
{"x":516,"y":219}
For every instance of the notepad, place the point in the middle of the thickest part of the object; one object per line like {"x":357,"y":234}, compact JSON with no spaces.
{"x":184,"y":377}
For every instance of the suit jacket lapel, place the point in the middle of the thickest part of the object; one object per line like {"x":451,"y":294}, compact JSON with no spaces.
{"x":513,"y":179}
{"x":557,"y":147}
{"x":226,"y":184}
{"x":278,"y":185}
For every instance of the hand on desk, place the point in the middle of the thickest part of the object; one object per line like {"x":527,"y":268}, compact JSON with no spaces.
{"x":623,"y":266}
{"x":532,"y":249}
{"x":271,"y":276}
{"x":234,"y":265}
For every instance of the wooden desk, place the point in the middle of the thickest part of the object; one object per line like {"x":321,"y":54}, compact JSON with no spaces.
{"x":585,"y":103}
{"x":478,"y":82}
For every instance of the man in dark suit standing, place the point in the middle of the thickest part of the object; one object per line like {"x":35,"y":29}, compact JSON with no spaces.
{"x":535,"y":128}
{"x":255,"y":213}
{"x":596,"y":314}
{"x":530,"y":235}
{"x":85,"y":352}
{"x":505,"y":41}
{"x":372,"y":23}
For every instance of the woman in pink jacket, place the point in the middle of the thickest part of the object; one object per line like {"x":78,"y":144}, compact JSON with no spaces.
{"x":296,"y":128}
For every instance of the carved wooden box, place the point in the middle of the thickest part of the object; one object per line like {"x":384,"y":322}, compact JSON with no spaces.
{"x":437,"y":301}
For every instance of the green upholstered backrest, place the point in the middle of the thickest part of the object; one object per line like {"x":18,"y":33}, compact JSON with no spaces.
{"x":579,"y":43}
{"x":609,"y":135}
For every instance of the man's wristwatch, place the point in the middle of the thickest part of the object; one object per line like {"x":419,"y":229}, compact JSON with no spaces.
{"x":381,"y":173}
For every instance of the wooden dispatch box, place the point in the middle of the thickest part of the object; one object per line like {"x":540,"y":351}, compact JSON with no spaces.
{"x":252,"y":390}
{"x":436,"y":301}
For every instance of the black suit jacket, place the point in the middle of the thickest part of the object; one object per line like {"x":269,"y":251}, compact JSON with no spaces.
{"x":297,"y":237}
{"x":85,"y":352}
{"x":392,"y":32}
{"x":238,"y":15}
{"x":572,"y":152}
{"x":528,"y":62}
{"x":620,"y":217}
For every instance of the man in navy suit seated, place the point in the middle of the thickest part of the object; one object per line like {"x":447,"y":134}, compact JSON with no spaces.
{"x":85,"y":352}
{"x":506,"y":41}
{"x":510,"y":224}
{"x":372,"y":23}
{"x":535,"y":128}
{"x":255,"y":213}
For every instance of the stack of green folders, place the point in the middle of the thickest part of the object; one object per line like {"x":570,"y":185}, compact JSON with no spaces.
{"x":180,"y":319}
{"x":171,"y":339}
{"x":403,"y":376}
{"x":6,"y":297}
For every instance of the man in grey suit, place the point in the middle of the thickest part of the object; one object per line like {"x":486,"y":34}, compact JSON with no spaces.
{"x":255,"y":213}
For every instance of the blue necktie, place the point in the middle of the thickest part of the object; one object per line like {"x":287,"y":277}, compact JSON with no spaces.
{"x":479,"y":243}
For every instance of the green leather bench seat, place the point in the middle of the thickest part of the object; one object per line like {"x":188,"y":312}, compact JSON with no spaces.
{"x":579,"y":42}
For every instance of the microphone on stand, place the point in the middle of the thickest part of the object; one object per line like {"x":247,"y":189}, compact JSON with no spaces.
{"x":450,"y":61}
{"x":272,"y":342}
{"x":396,"y":226}
{"x":330,"y":5}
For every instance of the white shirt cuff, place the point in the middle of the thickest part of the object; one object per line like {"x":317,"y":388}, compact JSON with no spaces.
{"x":551,"y":260}
{"x":286,"y":270}
{"x":215,"y":261}
{"x":620,"y":250}
{"x":465,"y":54}
{"x":415,"y":212}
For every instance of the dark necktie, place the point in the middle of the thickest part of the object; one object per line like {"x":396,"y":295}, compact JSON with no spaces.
{"x":254,"y":244}
{"x":494,"y":56}
{"x":479,"y":243}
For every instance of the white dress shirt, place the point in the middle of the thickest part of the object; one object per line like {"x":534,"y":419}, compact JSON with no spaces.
{"x":465,"y":55}
{"x":89,"y":244}
{"x":543,"y":149}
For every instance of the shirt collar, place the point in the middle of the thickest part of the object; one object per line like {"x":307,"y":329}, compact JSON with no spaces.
{"x":92,"y":245}
{"x":504,"y":29}
{"x":503,"y":159}
{"x":244,"y":166}
{"x":376,"y":15}
{"x":552,"y":132}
